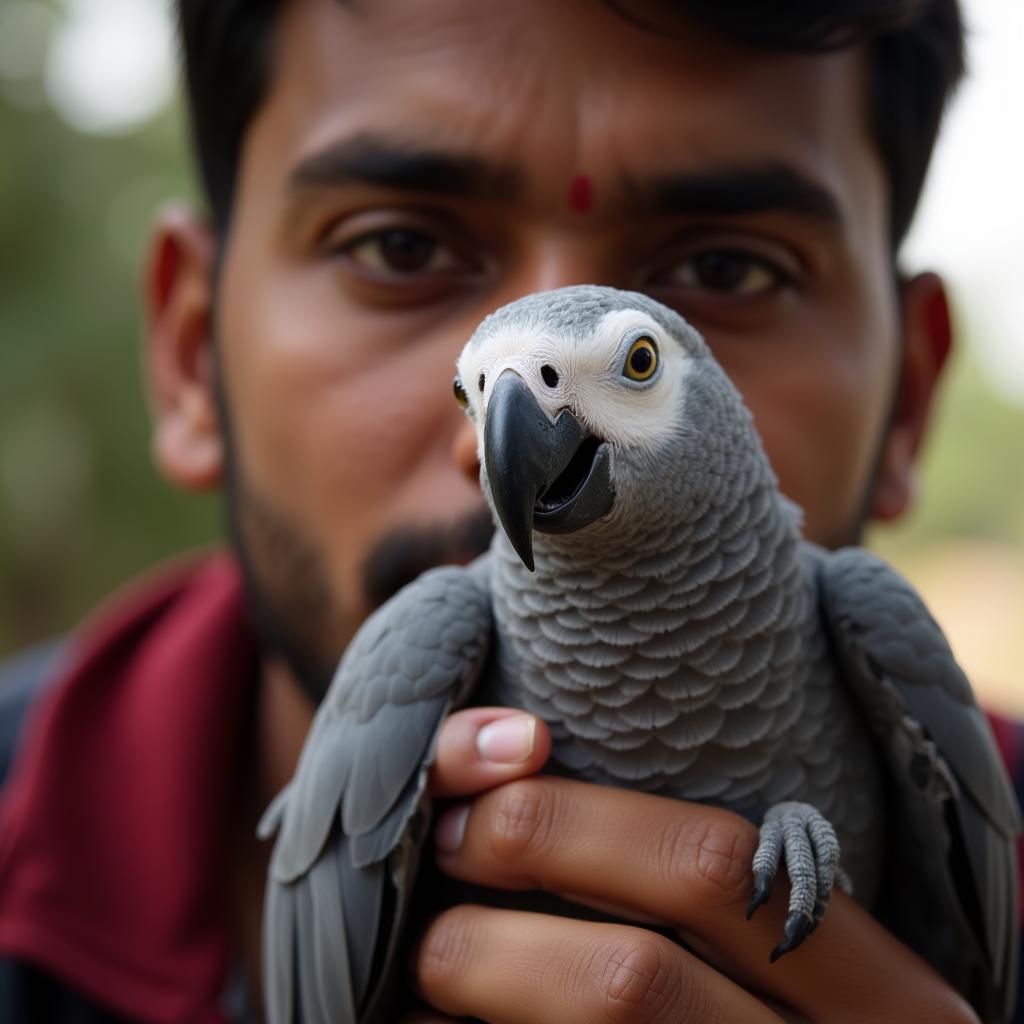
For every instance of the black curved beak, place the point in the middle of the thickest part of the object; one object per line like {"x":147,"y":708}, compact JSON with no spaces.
{"x":550,"y":476}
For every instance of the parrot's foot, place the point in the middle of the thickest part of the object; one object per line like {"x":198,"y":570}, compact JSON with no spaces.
{"x":811,"y":852}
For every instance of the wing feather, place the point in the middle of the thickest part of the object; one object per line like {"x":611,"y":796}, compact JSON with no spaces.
{"x":310,"y":1008}
{"x":350,"y":822}
{"x":279,"y":952}
{"x":361,"y":895}
{"x":327,"y":933}
{"x":954,"y":812}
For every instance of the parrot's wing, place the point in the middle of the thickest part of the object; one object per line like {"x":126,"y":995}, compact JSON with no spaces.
{"x":949,"y":881}
{"x":351,"y":822}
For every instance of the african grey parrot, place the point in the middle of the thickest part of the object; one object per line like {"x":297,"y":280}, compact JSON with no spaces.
{"x":649,"y":595}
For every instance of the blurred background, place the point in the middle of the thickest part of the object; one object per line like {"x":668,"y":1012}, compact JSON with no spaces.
{"x":92,"y":140}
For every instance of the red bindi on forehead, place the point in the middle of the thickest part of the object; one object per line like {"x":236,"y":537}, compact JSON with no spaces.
{"x":581,"y":194}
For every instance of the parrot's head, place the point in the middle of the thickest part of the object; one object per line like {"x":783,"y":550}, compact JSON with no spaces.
{"x":588,"y":402}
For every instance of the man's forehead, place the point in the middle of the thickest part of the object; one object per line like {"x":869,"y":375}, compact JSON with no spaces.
{"x":570,"y":89}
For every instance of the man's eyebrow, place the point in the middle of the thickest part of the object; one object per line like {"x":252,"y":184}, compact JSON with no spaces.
{"x":371,"y":159}
{"x":737,"y":190}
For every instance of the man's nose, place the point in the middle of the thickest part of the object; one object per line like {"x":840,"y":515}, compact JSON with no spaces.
{"x":558,"y":262}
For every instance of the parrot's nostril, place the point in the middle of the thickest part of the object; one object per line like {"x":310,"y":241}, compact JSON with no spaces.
{"x":481,"y":381}
{"x":549,"y":375}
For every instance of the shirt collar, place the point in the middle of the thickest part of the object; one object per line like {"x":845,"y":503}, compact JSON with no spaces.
{"x":113,"y":827}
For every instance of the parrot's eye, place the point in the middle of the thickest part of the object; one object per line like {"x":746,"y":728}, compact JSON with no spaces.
{"x":642,"y":360}
{"x":460,"y":393}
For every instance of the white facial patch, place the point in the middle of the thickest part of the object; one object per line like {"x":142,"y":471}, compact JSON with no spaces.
{"x":619,"y":409}
{"x":589,"y":368}
{"x":525,"y":351}
{"x":508,"y":347}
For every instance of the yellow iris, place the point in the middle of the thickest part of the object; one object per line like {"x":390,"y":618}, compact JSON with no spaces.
{"x":642,"y":360}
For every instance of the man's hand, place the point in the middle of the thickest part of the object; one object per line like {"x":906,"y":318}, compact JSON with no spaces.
{"x":480,"y":748}
{"x":646,"y":859}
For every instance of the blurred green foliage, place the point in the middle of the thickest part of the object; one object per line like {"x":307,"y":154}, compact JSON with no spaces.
{"x":81,"y":507}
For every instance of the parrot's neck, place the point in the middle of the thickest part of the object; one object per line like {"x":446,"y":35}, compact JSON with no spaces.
{"x":683,"y":632}
{"x":704,"y":552}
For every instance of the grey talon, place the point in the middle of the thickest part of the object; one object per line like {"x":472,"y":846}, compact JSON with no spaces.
{"x":798,"y":926}
{"x":819,"y":912}
{"x":762,"y":890}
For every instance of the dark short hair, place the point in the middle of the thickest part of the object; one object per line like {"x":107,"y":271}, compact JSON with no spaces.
{"x":915,"y":48}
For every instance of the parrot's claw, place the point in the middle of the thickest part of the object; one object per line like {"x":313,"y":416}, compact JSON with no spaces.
{"x":762,"y":890}
{"x":798,"y":926}
{"x":819,"y":913}
{"x":799,"y":834}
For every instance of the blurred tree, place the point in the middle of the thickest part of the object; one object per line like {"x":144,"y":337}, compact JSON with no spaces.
{"x":81,"y":507}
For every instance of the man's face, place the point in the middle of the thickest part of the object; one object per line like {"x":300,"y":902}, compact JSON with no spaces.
{"x":415,"y":165}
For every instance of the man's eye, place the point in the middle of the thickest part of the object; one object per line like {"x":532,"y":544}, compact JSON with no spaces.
{"x":400,"y":251}
{"x":728,"y":272}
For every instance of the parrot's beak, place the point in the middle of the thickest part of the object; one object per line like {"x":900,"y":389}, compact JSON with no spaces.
{"x":550,"y":476}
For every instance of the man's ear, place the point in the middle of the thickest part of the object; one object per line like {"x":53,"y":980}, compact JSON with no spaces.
{"x":178,"y":362}
{"x":927,"y":340}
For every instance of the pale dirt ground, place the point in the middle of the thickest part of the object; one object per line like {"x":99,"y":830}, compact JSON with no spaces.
{"x":975,"y":590}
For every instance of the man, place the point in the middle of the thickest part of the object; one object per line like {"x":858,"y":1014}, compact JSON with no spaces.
{"x":381,"y":176}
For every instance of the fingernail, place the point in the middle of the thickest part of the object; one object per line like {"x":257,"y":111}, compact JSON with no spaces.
{"x":451,"y":828}
{"x":508,"y":740}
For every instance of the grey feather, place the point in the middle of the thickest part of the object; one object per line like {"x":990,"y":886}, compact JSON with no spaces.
{"x":279,"y":952}
{"x":313,"y":983}
{"x":330,"y":937}
{"x":351,"y":821}
{"x":899,"y":663}
{"x":362,"y":895}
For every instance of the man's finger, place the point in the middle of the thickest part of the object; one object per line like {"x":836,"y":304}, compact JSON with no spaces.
{"x":479,"y":748}
{"x":510,"y":967}
{"x":690,"y":865}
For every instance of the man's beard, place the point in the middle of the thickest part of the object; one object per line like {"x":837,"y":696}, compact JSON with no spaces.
{"x":290,"y":599}
{"x":294,"y":609}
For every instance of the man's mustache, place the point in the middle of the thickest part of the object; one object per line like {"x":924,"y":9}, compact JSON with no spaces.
{"x":399,"y":557}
